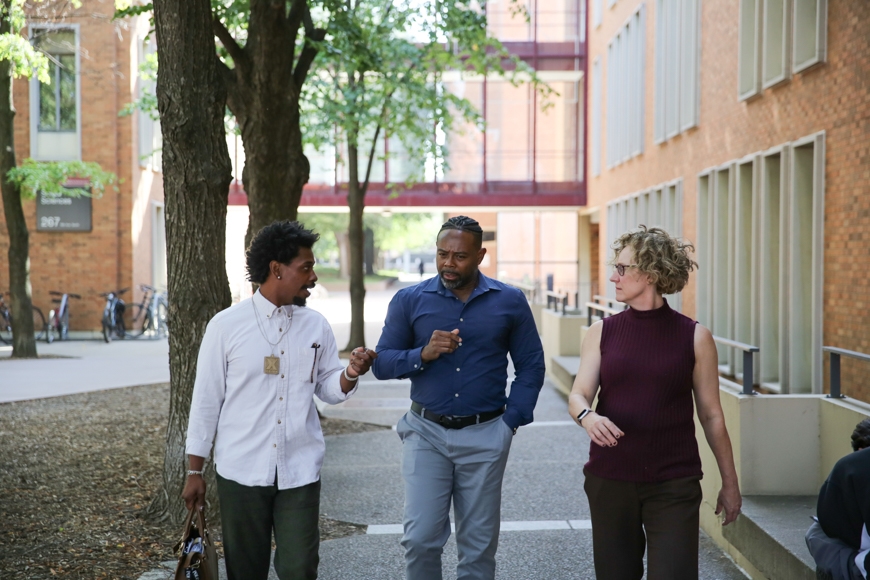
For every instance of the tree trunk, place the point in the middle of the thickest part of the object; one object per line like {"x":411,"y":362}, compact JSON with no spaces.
{"x":23,"y":343}
{"x":263,"y":94}
{"x":356,"y":238}
{"x":196,"y":177}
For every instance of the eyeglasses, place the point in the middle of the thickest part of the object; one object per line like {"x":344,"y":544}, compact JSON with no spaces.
{"x":620,"y":268}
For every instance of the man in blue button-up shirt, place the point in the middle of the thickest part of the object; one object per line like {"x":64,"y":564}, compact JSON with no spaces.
{"x":451,"y":336}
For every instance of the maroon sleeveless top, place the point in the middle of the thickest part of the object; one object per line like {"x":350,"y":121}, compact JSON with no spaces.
{"x":647,"y":360}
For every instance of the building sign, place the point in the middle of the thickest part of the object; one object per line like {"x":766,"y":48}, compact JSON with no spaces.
{"x":62,"y":214}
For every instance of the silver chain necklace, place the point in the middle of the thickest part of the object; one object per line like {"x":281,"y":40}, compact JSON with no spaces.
{"x":271,"y":364}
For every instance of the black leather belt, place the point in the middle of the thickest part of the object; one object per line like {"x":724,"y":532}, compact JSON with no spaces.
{"x":455,"y":421}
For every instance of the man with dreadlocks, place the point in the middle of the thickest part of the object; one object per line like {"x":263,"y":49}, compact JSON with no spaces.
{"x":451,"y":336}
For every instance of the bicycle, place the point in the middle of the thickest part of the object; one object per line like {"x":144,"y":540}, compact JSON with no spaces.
{"x":113,"y":315}
{"x":58,"y":318}
{"x":39,"y":326}
{"x":153,"y":310}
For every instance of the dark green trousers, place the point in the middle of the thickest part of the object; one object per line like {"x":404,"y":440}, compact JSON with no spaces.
{"x":250,"y":514}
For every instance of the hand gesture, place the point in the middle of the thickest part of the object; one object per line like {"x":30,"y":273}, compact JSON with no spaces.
{"x":441,"y":342}
{"x":361,"y":359}
{"x":602,"y":430}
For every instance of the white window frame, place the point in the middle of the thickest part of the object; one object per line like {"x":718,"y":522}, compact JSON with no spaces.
{"x":595,"y":158}
{"x":34,"y":95}
{"x":771,"y":78}
{"x":677,"y":68}
{"x":749,"y":48}
{"x":776,"y":300}
{"x":803,"y":9}
{"x":597,"y":10}
{"x":150,"y":138}
{"x":625,"y":90}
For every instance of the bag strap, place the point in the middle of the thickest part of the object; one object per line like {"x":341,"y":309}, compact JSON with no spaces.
{"x":185,"y":531}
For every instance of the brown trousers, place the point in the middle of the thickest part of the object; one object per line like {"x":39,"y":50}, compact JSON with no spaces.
{"x":627,"y":517}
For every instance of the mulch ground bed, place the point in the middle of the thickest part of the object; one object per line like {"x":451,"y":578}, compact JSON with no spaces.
{"x":76,"y":474}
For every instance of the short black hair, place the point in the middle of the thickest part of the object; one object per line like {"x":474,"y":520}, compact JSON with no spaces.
{"x":279,"y":241}
{"x":464,"y":223}
{"x":861,"y":435}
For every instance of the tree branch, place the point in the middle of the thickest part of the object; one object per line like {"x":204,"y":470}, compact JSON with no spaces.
{"x":236,"y":51}
{"x":309,"y":51}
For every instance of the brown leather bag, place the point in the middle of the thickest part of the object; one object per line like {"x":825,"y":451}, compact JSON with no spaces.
{"x":197,"y":558}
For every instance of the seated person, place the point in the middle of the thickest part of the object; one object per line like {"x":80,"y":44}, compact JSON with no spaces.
{"x":839,"y":541}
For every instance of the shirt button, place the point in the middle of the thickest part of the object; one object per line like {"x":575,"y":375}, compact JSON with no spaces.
{"x":280,"y":330}
{"x":279,"y":421}
{"x":461,"y":320}
{"x":274,"y":445}
{"x":282,"y":352}
{"x":457,"y":370}
{"x":456,"y":395}
{"x":280,"y":398}
{"x":415,"y":366}
{"x":282,"y":376}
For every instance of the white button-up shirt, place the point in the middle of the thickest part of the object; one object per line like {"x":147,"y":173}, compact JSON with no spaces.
{"x":264,"y":422}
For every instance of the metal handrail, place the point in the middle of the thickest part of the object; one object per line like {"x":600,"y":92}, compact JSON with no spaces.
{"x":555,"y":298}
{"x":748,"y":369}
{"x":590,"y":306}
{"x":609,"y":301}
{"x":835,"y":367}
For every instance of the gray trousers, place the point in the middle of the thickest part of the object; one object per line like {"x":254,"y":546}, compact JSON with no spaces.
{"x":467,"y":466}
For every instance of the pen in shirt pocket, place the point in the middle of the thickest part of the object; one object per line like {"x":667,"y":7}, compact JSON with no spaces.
{"x":315,"y":346}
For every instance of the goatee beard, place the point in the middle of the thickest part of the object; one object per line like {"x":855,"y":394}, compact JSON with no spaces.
{"x":452,"y":284}
{"x":297,"y":301}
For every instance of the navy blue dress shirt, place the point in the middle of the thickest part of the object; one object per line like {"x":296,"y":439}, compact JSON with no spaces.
{"x":496,"y":321}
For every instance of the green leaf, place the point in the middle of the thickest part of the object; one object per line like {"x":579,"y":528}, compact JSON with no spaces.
{"x":50,"y":177}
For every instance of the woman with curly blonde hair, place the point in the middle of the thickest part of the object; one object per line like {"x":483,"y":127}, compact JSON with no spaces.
{"x":647,"y":366}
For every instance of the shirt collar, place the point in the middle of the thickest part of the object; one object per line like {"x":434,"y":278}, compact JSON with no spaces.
{"x":265,"y":307}
{"x":434,"y":284}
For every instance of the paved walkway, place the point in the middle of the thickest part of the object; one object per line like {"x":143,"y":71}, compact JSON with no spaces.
{"x":546,"y":533}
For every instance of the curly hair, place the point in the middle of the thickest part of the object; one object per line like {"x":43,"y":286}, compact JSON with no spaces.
{"x":279,"y":241}
{"x":665,"y":259}
{"x":861,"y":435}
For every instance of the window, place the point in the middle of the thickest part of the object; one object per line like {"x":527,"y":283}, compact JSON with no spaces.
{"x":150,"y":135}
{"x":760,"y":222}
{"x":810,"y":33}
{"x":625,"y":91}
{"x":596,"y":13}
{"x":778,"y":38}
{"x":660,"y":206}
{"x":676,"y":67}
{"x":595,"y":159}
{"x":774,"y":42}
{"x":54,"y":106}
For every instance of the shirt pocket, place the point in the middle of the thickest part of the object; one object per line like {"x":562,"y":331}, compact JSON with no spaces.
{"x":309,"y":362}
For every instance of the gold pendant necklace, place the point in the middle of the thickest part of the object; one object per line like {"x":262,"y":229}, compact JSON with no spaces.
{"x":271,"y":363}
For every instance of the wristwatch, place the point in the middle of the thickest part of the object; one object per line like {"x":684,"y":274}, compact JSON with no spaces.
{"x":582,"y":416}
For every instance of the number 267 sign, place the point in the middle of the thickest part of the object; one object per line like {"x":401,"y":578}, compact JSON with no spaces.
{"x":62,"y":214}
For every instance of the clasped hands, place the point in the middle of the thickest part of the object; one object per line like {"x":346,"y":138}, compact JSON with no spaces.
{"x":361,"y":359}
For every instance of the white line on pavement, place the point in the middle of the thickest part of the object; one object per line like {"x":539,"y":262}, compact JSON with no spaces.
{"x":527,"y":526}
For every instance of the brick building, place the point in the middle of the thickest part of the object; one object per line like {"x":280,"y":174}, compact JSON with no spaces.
{"x":744,"y":127}
{"x":94,"y":68}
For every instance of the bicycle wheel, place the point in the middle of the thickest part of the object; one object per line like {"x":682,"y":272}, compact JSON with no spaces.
{"x":137,"y":312}
{"x":39,"y":326}
{"x":63,"y":327}
{"x":107,"y":326}
{"x":5,"y":327}
{"x":162,"y":322}
{"x":52,"y":324}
